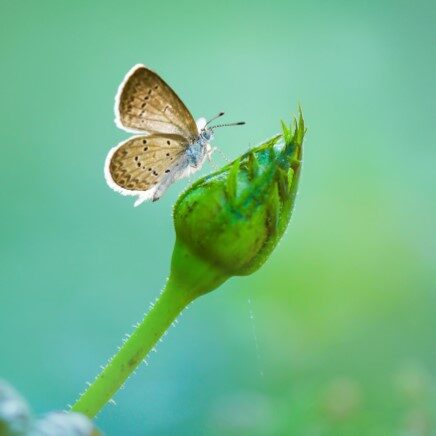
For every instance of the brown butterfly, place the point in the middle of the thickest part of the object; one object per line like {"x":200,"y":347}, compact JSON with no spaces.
{"x":169,"y":144}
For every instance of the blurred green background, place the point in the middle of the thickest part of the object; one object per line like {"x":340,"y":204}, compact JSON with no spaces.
{"x":343,"y":337}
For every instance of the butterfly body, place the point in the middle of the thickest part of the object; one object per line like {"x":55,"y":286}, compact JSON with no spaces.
{"x":200,"y":148}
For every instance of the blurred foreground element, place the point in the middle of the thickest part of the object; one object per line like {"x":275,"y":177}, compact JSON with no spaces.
{"x":16,"y":420}
{"x":14,"y":412}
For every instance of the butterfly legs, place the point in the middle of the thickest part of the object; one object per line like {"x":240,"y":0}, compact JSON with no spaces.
{"x":222,"y":154}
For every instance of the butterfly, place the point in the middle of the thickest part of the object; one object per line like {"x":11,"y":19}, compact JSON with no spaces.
{"x":168,"y":144}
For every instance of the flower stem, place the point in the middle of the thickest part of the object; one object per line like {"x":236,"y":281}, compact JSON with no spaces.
{"x":227,"y":224}
{"x":166,"y":309}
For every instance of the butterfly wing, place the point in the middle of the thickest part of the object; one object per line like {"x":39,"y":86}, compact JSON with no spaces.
{"x":146,"y":103}
{"x":143,"y":164}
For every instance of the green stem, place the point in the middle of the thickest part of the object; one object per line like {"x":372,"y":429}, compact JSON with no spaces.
{"x":190,"y":277}
{"x":166,"y":309}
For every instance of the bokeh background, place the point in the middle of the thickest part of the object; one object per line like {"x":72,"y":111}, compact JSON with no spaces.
{"x":342,"y":340}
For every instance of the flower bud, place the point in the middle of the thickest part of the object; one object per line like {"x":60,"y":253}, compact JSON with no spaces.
{"x":229,"y":222}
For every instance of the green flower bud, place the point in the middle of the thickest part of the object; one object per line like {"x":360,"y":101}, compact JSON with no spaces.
{"x":229,"y":222}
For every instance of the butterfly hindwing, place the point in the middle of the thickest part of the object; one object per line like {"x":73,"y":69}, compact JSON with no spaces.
{"x":142,"y":162}
{"x":146,"y":103}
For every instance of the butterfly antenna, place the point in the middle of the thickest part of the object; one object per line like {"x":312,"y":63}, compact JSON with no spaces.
{"x":239,"y":123}
{"x":215,"y":117}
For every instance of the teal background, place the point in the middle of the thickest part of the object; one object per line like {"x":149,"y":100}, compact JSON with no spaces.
{"x":344,"y":310}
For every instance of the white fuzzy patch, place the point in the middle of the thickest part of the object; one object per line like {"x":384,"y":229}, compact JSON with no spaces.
{"x":201,"y":123}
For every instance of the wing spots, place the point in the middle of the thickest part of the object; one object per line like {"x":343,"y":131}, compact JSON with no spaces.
{"x":157,"y":86}
{"x":169,"y":142}
{"x":155,"y":173}
{"x":149,"y":169}
{"x":145,"y":148}
{"x":143,"y":105}
{"x":168,"y":154}
{"x":149,"y":91}
{"x":144,"y":141}
{"x":139,"y":164}
{"x":136,"y":158}
{"x":167,"y":171}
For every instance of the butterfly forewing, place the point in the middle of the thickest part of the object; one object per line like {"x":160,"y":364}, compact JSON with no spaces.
{"x":142,"y":162}
{"x":146,"y":102}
